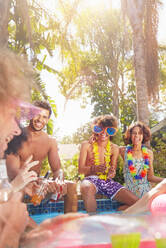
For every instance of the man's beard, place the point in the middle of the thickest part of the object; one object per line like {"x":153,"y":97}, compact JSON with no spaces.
{"x":33,"y":128}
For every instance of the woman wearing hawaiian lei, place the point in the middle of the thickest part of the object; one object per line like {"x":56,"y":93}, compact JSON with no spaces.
{"x":138,"y":160}
{"x":98,"y":161}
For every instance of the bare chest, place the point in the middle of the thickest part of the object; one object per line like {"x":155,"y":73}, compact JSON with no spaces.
{"x":99,"y":154}
{"x":38,"y":147}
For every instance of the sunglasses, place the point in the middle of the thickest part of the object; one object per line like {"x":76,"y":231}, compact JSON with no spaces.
{"x":109,"y":130}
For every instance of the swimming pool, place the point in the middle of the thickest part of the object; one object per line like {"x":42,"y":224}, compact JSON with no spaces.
{"x":52,"y":209}
{"x":38,"y":218}
{"x":92,"y":233}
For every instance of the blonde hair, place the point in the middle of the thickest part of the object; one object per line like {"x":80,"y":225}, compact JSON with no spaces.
{"x":16,"y":77}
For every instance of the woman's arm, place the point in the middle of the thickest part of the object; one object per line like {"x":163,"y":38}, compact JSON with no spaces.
{"x":151,"y":177}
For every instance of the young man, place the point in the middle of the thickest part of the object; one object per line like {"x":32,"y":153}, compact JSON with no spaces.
{"x":40,"y":145}
{"x":98,"y":161}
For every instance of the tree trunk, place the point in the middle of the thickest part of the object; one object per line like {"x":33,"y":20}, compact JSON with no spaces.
{"x":135,"y":12}
{"x":115,"y":101}
{"x":4,"y":19}
{"x":140,"y":76}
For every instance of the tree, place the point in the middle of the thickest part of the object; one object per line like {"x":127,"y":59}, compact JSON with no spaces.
{"x":102,"y":34}
{"x":142,"y":13}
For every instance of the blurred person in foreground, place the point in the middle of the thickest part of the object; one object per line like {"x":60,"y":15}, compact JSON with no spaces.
{"x":16,"y":81}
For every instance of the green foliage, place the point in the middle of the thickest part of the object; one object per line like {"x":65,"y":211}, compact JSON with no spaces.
{"x":119,"y":171}
{"x":67,"y":140}
{"x":70,"y":168}
{"x":128,"y":106}
{"x":158,"y":144}
{"x":83,"y":133}
{"x":45,"y":167}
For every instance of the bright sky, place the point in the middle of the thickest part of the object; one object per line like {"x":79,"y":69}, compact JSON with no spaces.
{"x":74,"y":116}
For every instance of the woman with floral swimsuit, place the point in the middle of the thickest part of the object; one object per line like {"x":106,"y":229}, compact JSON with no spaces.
{"x":138,"y":160}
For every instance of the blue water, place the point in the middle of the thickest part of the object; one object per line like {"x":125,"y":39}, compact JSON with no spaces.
{"x":38,"y":218}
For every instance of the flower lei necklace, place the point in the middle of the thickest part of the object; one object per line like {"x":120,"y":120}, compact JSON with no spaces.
{"x":131,"y":166}
{"x":107,"y":158}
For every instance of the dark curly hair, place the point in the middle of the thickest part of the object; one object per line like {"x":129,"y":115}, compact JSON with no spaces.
{"x":145,"y":131}
{"x":15,"y":144}
{"x":105,"y":121}
{"x":44,"y":105}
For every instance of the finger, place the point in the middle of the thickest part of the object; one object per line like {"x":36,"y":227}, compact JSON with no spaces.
{"x":31,"y":174}
{"x":29,"y":180}
{"x":28,"y":159}
{"x":30,"y":165}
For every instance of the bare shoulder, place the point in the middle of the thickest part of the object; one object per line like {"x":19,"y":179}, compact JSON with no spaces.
{"x":150,"y":152}
{"x":52,"y":141}
{"x":122,"y":149}
{"x":115,"y":147}
{"x":85,"y":144}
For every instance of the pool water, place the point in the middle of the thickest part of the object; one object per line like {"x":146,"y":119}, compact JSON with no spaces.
{"x":50,"y":209}
{"x":38,"y":218}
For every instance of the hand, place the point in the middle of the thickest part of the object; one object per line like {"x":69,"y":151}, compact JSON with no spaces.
{"x":13,"y":220}
{"x":31,"y":188}
{"x":25,"y":176}
{"x":92,"y":139}
{"x":55,"y":186}
{"x":112,"y":173}
{"x":98,"y":169}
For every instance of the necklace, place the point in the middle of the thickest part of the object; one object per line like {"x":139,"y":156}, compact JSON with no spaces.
{"x":131,"y":166}
{"x":107,"y":156}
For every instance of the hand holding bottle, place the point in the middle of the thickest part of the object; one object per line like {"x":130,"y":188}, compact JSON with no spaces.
{"x":60,"y":186}
{"x":25,"y":175}
{"x":41,"y":191}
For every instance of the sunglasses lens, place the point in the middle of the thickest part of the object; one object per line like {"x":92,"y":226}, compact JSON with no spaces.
{"x":97,"y":129}
{"x":111,"y":131}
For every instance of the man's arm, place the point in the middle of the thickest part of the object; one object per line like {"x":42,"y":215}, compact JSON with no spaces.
{"x":53,"y":158}
{"x":114,"y":158}
{"x":83,"y":169}
{"x":13,"y":165}
{"x":151,"y":177}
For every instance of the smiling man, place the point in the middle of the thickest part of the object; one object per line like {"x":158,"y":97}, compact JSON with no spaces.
{"x":41,"y":146}
{"x":98,"y":162}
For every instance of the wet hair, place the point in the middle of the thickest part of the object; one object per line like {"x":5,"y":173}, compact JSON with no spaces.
{"x":15,"y":144}
{"x":145,"y":131}
{"x":44,"y":105}
{"x":16,"y":77}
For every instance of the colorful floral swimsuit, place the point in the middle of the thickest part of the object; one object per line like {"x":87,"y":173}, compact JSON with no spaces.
{"x":138,"y":187}
{"x":107,"y":187}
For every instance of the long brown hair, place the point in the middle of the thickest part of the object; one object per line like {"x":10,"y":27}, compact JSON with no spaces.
{"x":145,"y":131}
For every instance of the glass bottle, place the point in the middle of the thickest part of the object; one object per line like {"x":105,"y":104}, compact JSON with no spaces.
{"x":59,"y":179}
{"x":38,"y":196}
{"x":5,"y":186}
